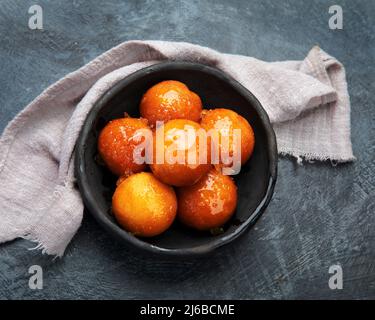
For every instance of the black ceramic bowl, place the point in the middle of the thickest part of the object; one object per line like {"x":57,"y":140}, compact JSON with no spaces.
{"x":255,"y":182}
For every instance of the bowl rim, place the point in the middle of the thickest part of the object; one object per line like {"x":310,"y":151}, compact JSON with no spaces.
{"x":123,"y":235}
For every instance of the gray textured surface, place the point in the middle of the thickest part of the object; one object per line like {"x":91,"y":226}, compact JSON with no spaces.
{"x":320,"y":215}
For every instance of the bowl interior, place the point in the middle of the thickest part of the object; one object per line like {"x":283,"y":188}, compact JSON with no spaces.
{"x":255,"y":181}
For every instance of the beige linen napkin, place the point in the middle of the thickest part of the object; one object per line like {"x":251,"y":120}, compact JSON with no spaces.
{"x":307,"y":102}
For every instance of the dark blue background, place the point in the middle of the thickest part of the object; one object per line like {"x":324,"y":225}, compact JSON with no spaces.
{"x":320,"y":214}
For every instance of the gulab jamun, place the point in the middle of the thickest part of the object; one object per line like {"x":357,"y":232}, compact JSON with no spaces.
{"x":117,"y":142}
{"x":143,"y":205}
{"x":224,"y":122}
{"x":181,"y":155}
{"x":170,"y":100}
{"x":209,"y":203}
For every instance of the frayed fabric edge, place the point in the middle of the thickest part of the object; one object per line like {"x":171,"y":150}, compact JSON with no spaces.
{"x":40,"y":246}
{"x":311,"y":158}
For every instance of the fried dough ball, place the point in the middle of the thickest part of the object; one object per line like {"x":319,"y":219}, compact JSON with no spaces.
{"x":225,"y":121}
{"x":169,"y":100}
{"x":117,"y":142}
{"x":143,"y":205}
{"x":181,"y":158}
{"x":209,"y":203}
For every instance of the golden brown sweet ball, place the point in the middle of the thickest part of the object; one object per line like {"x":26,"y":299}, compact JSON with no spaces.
{"x":169,"y":100}
{"x":181,"y":158}
{"x":209,"y":203}
{"x":143,"y":205}
{"x":117,"y":142}
{"x":225,"y":121}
